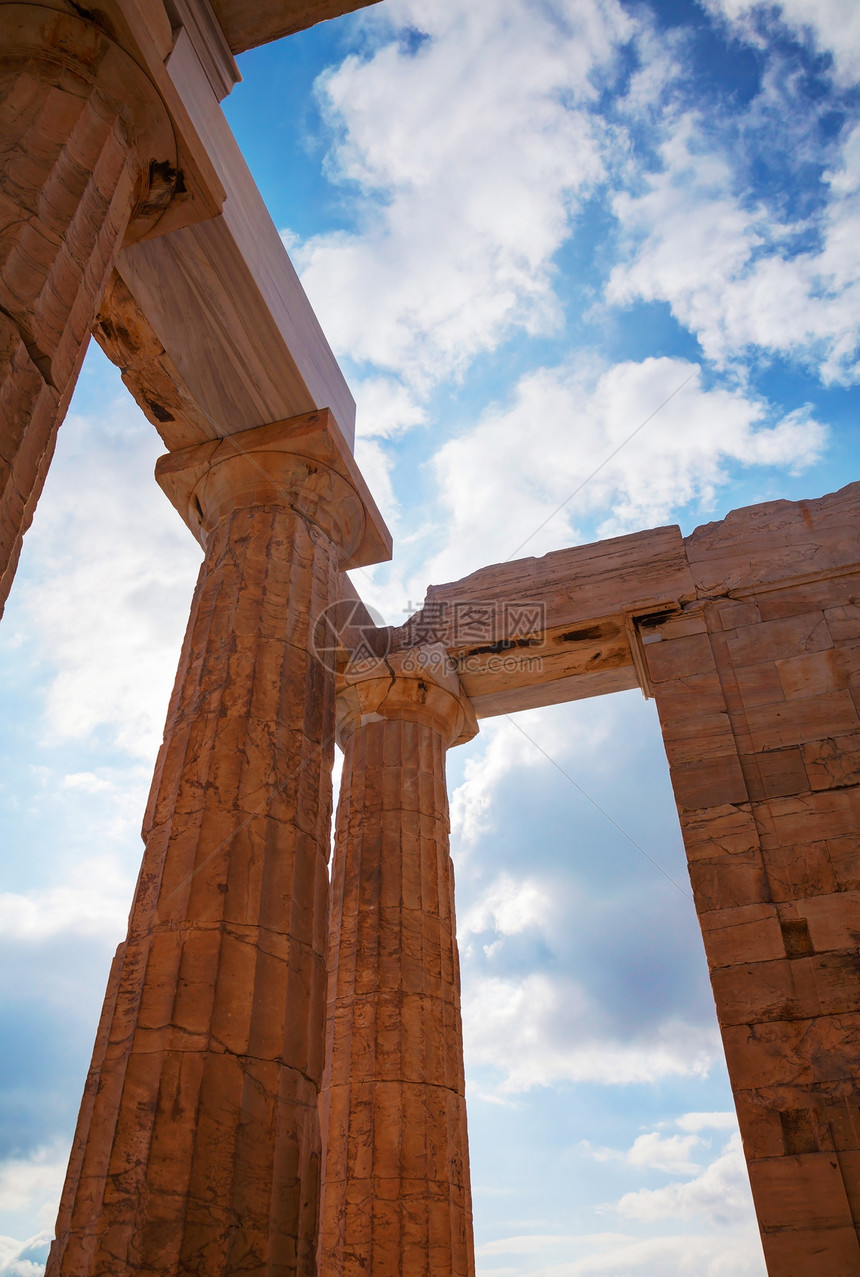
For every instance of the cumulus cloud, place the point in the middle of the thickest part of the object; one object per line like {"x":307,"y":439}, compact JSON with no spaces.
{"x":831,"y":26}
{"x":557,"y":986}
{"x":670,"y":1153}
{"x":109,"y":603}
{"x":33,"y":1183}
{"x":100,"y":808}
{"x":508,"y":908}
{"x":505,"y":497}
{"x":724,"y":1254}
{"x":96,"y":904}
{"x":503,"y":749}
{"x":24,"y":1259}
{"x":721,"y":1192}
{"x":712,"y":1201}
{"x":29,"y":1192}
{"x":540,"y":1031}
{"x":718,"y":1191}
{"x":736,"y":272}
{"x":707,"y":1122}
{"x":469,"y":134}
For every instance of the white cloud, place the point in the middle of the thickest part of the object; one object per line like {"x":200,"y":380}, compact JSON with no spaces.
{"x":29,"y":1192}
{"x":721,"y":1193}
{"x":540,"y":1031}
{"x":24,"y":1259}
{"x":716,"y":1198}
{"x":109,"y":604}
{"x":832,"y":26}
{"x":500,"y":490}
{"x":508,"y":908}
{"x":730,"y":268}
{"x":97,"y":904}
{"x":538,"y":918}
{"x":471,"y":152}
{"x":87,"y":782}
{"x":93,"y":810}
{"x":506,"y":747}
{"x":33,"y":1181}
{"x":376,"y":465}
{"x":670,"y":1153}
{"x":735,"y":1253}
{"x":707,"y":1122}
{"x":384,"y":409}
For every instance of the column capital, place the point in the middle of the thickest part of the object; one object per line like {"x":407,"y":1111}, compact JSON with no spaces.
{"x":65,"y":50}
{"x":303,"y":462}
{"x":417,"y":686}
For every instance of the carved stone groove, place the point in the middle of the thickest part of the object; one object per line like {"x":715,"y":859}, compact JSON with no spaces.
{"x":198,"y":1144}
{"x":396,"y":1196}
{"x":87,"y":152}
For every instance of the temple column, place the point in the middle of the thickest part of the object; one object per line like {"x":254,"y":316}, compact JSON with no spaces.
{"x":87,"y":160}
{"x":198,"y":1144}
{"x":758,"y":690}
{"x":396,"y":1195}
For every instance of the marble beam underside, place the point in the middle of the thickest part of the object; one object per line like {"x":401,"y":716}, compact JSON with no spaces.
{"x":222,"y":299}
{"x":249,"y":23}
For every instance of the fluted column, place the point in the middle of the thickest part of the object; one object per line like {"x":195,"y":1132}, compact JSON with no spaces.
{"x":198,"y":1144}
{"x":396,"y":1196}
{"x":86,"y":152}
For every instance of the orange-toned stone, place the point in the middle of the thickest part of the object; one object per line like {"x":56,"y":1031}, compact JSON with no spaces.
{"x":396,"y":1196}
{"x":770,"y":807}
{"x":843,"y":622}
{"x":833,"y":762}
{"x":745,"y":933}
{"x":769,"y":640}
{"x":80,"y":128}
{"x":793,"y":598}
{"x":198,"y":1146}
{"x":775,"y":773}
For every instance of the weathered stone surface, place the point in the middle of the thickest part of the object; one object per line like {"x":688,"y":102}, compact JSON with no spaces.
{"x":583,"y":603}
{"x":776,"y":541}
{"x":769,"y":811}
{"x":396,"y":1197}
{"x":248,"y":23}
{"x":80,"y":130}
{"x":198,"y":1145}
{"x":756,"y":675}
{"x":775,"y":773}
{"x":127,"y":338}
{"x":223,"y":297}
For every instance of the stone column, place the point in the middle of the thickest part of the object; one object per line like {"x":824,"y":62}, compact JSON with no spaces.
{"x":758,"y":690}
{"x":396,"y":1196}
{"x":198,"y":1143}
{"x":87,"y":158}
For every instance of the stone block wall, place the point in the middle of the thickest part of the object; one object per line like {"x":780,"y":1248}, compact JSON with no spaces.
{"x":757,"y":684}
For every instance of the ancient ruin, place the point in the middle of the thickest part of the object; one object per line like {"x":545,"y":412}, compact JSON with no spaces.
{"x":277,"y":1081}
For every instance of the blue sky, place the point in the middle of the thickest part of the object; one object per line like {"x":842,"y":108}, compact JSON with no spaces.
{"x":525,"y":224}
